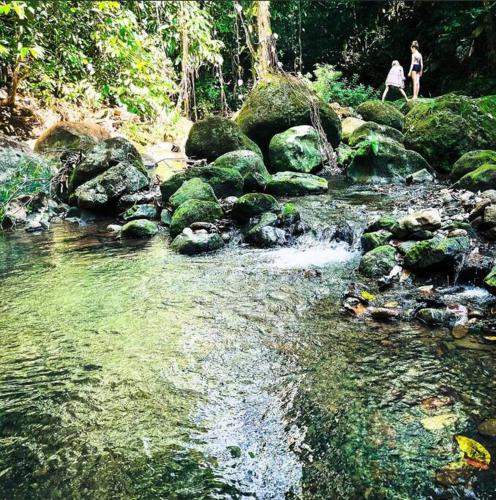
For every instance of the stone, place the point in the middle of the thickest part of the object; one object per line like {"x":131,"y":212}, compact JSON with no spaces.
{"x":265,"y":233}
{"x":279,"y":102}
{"x":471,"y":161}
{"x":375,"y":239}
{"x":253,"y":205}
{"x":114,"y":228}
{"x":413,"y":224}
{"x":439,"y":252}
{"x":349,"y":125}
{"x":490,"y":280}
{"x":433,"y":317}
{"x":420,"y":177}
{"x":139,"y":228}
{"x":489,"y":216}
{"x":369,"y":128}
{"x":383,"y":222}
{"x":296,"y":149}
{"x":296,"y":184}
{"x":140,"y":198}
{"x":290,"y":214}
{"x":480,"y":179}
{"x":249,"y":164}
{"x":215,"y":136}
{"x":194,"y":211}
{"x":488,"y":427}
{"x":192,"y":189}
{"x":194,"y":243}
{"x":381,"y":113}
{"x":140,"y":212}
{"x":378,"y":262}
{"x":490,"y":194}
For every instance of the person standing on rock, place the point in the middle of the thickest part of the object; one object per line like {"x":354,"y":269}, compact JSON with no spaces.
{"x":395,"y":78}
{"x":416,"y":68}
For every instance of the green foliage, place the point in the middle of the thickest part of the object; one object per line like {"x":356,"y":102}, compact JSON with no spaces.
{"x":331,"y":86}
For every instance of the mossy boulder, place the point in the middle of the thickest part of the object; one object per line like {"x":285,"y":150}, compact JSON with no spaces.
{"x":381,"y":113}
{"x":192,"y":189}
{"x":249,"y":164}
{"x":279,"y":102}
{"x":253,"y":205}
{"x":70,"y":136}
{"x":349,"y":125}
{"x":490,"y":280}
{"x":140,"y":228}
{"x":443,"y":129}
{"x":224,"y":181}
{"x":296,"y":149}
{"x":195,"y":243}
{"x":290,"y":214}
{"x":369,"y":128}
{"x":380,"y":159}
{"x":194,"y":211}
{"x":296,"y":184}
{"x":145,"y":211}
{"x":472,"y":161}
{"x":375,"y":239}
{"x":265,"y":233}
{"x":17,"y":161}
{"x":103,"y":192}
{"x":436,"y":252}
{"x":215,"y":136}
{"x":386,"y":222}
{"x":101,"y":156}
{"x":378,"y":262}
{"x":481,"y":179}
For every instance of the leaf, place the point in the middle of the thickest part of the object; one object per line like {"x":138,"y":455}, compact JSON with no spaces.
{"x":438,"y":422}
{"x":367,"y":295}
{"x":475,"y":454}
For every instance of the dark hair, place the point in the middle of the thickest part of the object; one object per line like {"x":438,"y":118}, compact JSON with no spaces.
{"x":415,"y":45}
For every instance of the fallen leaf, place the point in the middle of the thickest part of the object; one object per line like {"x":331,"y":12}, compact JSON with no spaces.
{"x":491,"y":338}
{"x":438,"y":422}
{"x":475,"y":463}
{"x":436,"y":402}
{"x":357,"y":309}
{"x":367,"y":295}
{"x":473,"y":451}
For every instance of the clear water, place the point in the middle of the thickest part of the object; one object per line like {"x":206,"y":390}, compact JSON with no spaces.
{"x":127,"y":371}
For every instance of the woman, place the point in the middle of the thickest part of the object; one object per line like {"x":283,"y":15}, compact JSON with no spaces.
{"x":416,"y":68}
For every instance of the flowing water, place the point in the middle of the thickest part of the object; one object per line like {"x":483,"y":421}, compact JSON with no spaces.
{"x":127,"y":371}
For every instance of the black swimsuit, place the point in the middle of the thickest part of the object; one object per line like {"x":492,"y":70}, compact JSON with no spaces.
{"x":417,"y":68}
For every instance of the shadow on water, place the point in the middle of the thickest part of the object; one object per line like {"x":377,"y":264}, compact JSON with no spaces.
{"x":130,"y":372}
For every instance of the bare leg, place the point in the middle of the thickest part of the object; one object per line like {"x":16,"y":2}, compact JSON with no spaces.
{"x":403,"y":94}
{"x":386,"y":90}
{"x":415,"y":84}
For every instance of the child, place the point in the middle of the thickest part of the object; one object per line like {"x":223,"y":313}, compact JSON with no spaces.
{"x":395,"y":78}
{"x":416,"y":68}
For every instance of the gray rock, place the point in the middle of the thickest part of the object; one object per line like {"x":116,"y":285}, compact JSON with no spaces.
{"x":140,"y":228}
{"x":190,"y":243}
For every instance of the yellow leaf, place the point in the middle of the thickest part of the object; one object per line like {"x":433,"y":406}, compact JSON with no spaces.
{"x":367,"y":295}
{"x":473,"y":450}
{"x":438,"y":422}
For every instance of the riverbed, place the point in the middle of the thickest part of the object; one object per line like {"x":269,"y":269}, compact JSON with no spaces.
{"x":128,"y":371}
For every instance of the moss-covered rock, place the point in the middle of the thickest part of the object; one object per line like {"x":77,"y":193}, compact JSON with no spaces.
{"x":480,"y":179}
{"x":296,"y":184}
{"x":290,"y":214}
{"x":375,"y":239}
{"x":380,"y":159}
{"x":490,"y":280}
{"x":145,"y":211}
{"x":386,"y":222}
{"x":192,"y":189}
{"x":349,"y":125}
{"x":368,"y":128}
{"x":265,"y":233}
{"x":140,"y":228}
{"x":439,"y":252}
{"x":224,"y":181}
{"x":195,"y":243}
{"x":249,"y":164}
{"x":215,"y":136}
{"x":194,"y":211}
{"x":104,"y":191}
{"x":381,"y":113}
{"x":253,"y":205}
{"x":443,"y":129}
{"x":296,"y":149}
{"x":101,"y":156}
{"x":416,"y":224}
{"x":16,"y":161}
{"x":70,"y":136}
{"x":472,"y":161}
{"x":279,"y":102}
{"x":378,"y":262}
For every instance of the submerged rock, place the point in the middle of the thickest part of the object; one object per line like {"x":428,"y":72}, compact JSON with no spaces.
{"x":191,"y":243}
{"x":192,"y":189}
{"x":440,"y":252}
{"x":249,"y":164}
{"x":472,"y":161}
{"x":381,"y":113}
{"x":215,"y":136}
{"x":378,"y":262}
{"x":296,"y":184}
{"x":253,"y":205}
{"x":140,"y":228}
{"x":194,"y":211}
{"x":296,"y":150}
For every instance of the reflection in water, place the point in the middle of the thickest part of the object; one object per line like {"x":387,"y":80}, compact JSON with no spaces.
{"x":130,"y":372}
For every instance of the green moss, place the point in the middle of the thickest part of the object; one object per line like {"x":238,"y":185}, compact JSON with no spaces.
{"x":367,"y":128}
{"x":376,"y":239}
{"x":192,"y":189}
{"x":481,"y":179}
{"x":252,"y":205}
{"x":192,"y":244}
{"x":381,"y":113}
{"x":378,"y":262}
{"x":194,"y":211}
{"x":490,"y":280}
{"x":472,"y":161}
{"x":290,"y":213}
{"x":296,"y":184}
{"x":141,"y":228}
{"x":436,"y":252}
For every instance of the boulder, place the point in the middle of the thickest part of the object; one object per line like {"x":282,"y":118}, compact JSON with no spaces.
{"x":378,"y":262}
{"x":369,"y":128}
{"x":140,"y":228}
{"x":101,"y":156}
{"x":349,"y":125}
{"x":419,"y":177}
{"x":383,"y":222}
{"x":490,"y":280}
{"x":70,"y":136}
{"x":17,"y":161}
{"x":296,"y":150}
{"x":253,"y":205}
{"x":375,"y":239}
{"x":296,"y":184}
{"x":443,"y":129}
{"x":472,"y":161}
{"x":381,"y":113}
{"x":249,"y":164}
{"x":192,"y":189}
{"x":215,"y":136}
{"x":417,"y":223}
{"x":104,"y":191}
{"x":194,"y":211}
{"x":290,"y":214}
{"x":7,"y":142}
{"x":140,"y":212}
{"x":190,"y":243}
{"x":279,"y":102}
{"x":439,"y":252}
{"x":380,"y":159}
{"x":265,"y":233}
{"x":224,"y":181}
{"x":480,"y":179}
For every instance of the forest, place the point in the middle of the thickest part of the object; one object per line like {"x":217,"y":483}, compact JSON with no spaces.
{"x":247,"y":249}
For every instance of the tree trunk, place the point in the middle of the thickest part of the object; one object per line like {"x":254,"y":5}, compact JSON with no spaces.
{"x":266,"y":53}
{"x":16,"y":80}
{"x":184,"y":100}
